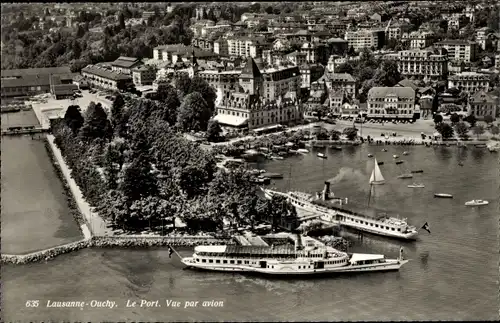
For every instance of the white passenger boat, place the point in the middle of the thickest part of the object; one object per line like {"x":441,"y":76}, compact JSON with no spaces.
{"x":416,"y":185}
{"x":476,"y":203}
{"x":303,"y":151}
{"x":287,"y":260}
{"x":332,"y":214}
{"x":321,"y":155}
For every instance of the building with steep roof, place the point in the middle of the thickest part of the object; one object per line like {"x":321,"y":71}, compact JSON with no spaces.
{"x":391,"y":103}
{"x":260,"y":98}
{"x":339,"y":81}
{"x":482,"y":104}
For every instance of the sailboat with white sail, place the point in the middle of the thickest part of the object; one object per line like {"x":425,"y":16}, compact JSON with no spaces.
{"x":376,"y":178}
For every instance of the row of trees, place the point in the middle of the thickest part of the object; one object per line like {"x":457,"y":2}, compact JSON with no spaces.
{"x":461,"y":128}
{"x":138,"y":171}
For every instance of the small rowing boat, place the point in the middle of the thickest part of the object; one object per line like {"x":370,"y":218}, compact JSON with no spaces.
{"x":321,"y":155}
{"x":399,"y":162}
{"x":443,"y":195}
{"x":417,"y":171}
{"x":416,"y":185}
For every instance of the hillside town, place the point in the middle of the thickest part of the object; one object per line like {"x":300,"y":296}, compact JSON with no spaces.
{"x":270,"y":65}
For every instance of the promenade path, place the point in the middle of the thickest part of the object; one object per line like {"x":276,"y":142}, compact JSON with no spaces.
{"x":96,"y":224}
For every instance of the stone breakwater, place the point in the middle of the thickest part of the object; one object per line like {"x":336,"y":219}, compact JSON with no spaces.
{"x":113,"y":242}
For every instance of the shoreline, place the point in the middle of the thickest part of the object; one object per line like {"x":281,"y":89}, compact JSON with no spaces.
{"x":112,"y":242}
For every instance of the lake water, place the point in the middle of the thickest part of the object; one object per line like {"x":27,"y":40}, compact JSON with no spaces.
{"x":453,"y":274}
{"x":34,"y":207}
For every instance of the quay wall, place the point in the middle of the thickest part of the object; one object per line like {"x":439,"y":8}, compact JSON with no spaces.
{"x":113,"y":242}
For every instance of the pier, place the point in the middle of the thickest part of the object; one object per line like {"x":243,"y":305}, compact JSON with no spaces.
{"x":23,"y":130}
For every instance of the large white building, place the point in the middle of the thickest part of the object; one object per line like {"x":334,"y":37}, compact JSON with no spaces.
{"x":423,"y":64}
{"x":459,"y":50}
{"x":391,"y":103}
{"x":420,"y":39}
{"x":471,"y":82}
{"x":251,"y":106}
{"x":365,"y":38}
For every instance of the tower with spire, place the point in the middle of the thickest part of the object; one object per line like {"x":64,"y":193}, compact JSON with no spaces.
{"x":251,"y":78}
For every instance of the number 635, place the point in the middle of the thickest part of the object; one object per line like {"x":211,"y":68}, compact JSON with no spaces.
{"x":32,"y":303}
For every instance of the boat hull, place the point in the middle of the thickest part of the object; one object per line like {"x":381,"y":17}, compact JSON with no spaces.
{"x":377,"y":183}
{"x":390,"y":265}
{"x":443,"y":196}
{"x":476,"y":204}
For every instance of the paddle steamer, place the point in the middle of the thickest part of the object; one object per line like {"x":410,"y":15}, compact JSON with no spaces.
{"x":313,"y":258}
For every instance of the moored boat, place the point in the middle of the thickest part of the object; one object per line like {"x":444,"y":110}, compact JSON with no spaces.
{"x":395,"y":156}
{"x":476,"y":203}
{"x":399,"y":162}
{"x":277,"y":157}
{"x":384,"y":150}
{"x":272,"y":175}
{"x":443,"y":195}
{"x":337,"y":148}
{"x":302,"y":151}
{"x":311,"y":259}
{"x":370,"y":155}
{"x":380,"y":163}
{"x":417,"y":171}
{"x":406,"y":153}
{"x":416,"y":185}
{"x":406,"y":175}
{"x":321,"y":155}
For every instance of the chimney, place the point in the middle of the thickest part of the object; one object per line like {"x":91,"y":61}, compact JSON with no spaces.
{"x":326,"y":191}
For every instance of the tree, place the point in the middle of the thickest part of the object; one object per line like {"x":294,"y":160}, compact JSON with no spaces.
{"x":445,"y":130}
{"x":150,"y":208}
{"x":194,"y":113}
{"x":334,"y":134}
{"x":121,"y":21}
{"x":168,"y":103}
{"x":488,"y":119}
{"x":96,"y":124}
{"x":213,"y":131}
{"x":437,"y":118}
{"x":462,"y":130}
{"x":117,"y":114}
{"x":478,"y":130}
{"x":138,"y":180}
{"x":351,"y":133}
{"x":387,"y":74}
{"x":207,"y":92}
{"x":279,"y":209}
{"x":494,"y":130}
{"x":471,"y":119}
{"x":454,"y":118}
{"x":73,"y":118}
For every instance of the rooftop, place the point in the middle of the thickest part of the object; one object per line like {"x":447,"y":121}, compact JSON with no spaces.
{"x":102,"y":72}
{"x":35,"y":71}
{"x":400,"y":92}
{"x":251,"y":70}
